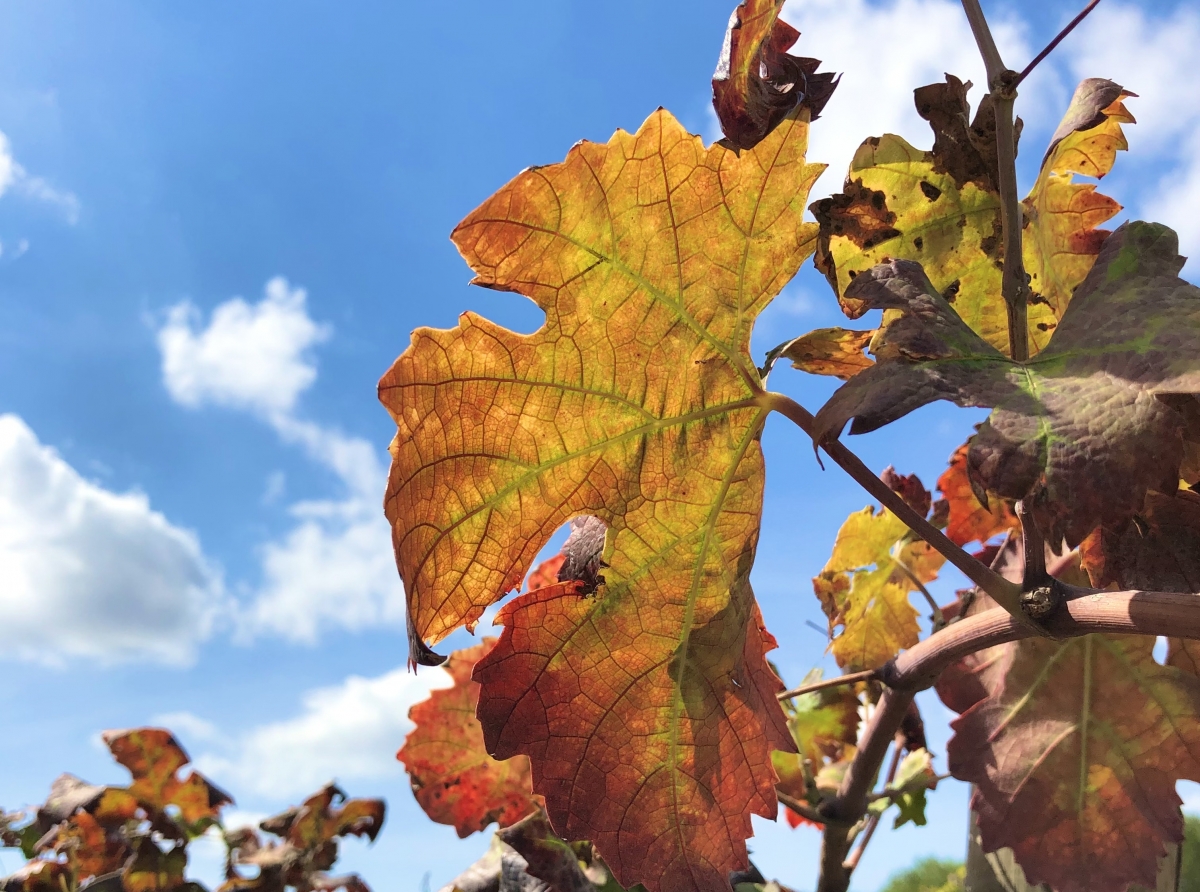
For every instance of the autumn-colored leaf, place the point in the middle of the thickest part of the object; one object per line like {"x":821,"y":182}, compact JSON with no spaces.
{"x":968,"y":520}
{"x":824,"y":723}
{"x":909,"y":487}
{"x":453,"y":777}
{"x":941,"y":208}
{"x":1078,"y":431}
{"x":1075,"y":753}
{"x":154,"y":758}
{"x":827,"y":351}
{"x":38,"y":876}
{"x":153,"y":870}
{"x":1061,"y":238}
{"x":636,"y":403}
{"x":757,"y":82}
{"x":865,"y":585}
{"x":545,"y":573}
{"x":668,"y":806}
{"x":89,"y":850}
{"x":328,"y":814}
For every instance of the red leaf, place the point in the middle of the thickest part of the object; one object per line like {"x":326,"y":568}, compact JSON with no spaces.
{"x":660,"y":763}
{"x":452,"y":775}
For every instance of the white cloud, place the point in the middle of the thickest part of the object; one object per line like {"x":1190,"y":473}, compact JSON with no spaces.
{"x":348,"y":732}
{"x":248,"y":357}
{"x":85,"y":572}
{"x":15,"y":177}
{"x":1153,"y":55}
{"x":334,"y":568}
{"x":884,"y":52}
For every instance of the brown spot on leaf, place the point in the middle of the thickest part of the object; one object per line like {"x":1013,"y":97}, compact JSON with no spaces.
{"x":930,"y":191}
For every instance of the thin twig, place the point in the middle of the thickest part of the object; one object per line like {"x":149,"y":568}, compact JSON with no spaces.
{"x":1034,"y":549}
{"x":856,"y":855}
{"x":1055,"y":42}
{"x":851,"y":678}
{"x":851,"y":802}
{"x":1014,"y":283}
{"x":1006,"y":594}
{"x":984,"y":40}
{"x":803,"y":809}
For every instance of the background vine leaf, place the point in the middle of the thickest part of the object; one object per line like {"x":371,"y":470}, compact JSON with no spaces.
{"x":757,"y":82}
{"x":865,"y":585}
{"x":453,"y":778}
{"x":1075,"y":751}
{"x":636,"y":403}
{"x":1079,"y":431}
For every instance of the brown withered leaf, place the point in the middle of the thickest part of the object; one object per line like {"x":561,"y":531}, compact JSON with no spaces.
{"x":453,"y":777}
{"x":828,"y":351}
{"x":1158,"y":550}
{"x":1075,"y":752}
{"x":910,"y":488}
{"x":968,"y":519}
{"x":1078,"y":431}
{"x":757,"y":82}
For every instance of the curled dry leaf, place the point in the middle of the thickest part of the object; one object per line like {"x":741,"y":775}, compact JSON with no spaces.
{"x":941,"y":208}
{"x":1078,"y":431}
{"x":827,"y":351}
{"x":757,"y":82}
{"x":637,"y":403}
{"x":453,"y":778}
{"x":1075,"y":748}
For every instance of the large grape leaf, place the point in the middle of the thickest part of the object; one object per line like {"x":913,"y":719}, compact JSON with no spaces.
{"x":1079,"y":431}
{"x":1075,"y":751}
{"x":941,"y":208}
{"x":637,"y":402}
{"x":453,"y":777}
{"x":757,"y":82}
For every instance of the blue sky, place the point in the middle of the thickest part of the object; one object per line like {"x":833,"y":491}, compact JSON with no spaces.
{"x":219,"y":223}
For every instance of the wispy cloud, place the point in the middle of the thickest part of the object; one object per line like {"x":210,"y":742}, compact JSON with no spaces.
{"x":334,"y":567}
{"x":14,"y":177}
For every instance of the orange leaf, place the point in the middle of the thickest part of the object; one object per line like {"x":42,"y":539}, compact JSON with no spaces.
{"x":969,"y":520}
{"x":636,"y":403}
{"x":545,"y":573}
{"x":453,"y":777}
{"x":154,"y":757}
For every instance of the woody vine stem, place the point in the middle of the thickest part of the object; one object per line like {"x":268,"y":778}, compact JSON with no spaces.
{"x":1067,"y":611}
